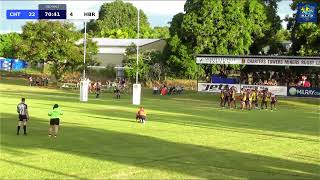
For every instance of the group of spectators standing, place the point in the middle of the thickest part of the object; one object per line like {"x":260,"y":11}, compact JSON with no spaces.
{"x":164,"y":90}
{"x":38,"y":81}
{"x":286,"y":78}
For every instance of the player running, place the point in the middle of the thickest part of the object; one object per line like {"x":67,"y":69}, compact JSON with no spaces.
{"x":22,"y":110}
{"x":54,"y":114}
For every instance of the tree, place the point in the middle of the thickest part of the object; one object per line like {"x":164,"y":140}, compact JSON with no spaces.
{"x":150,"y":66}
{"x":181,"y":61}
{"x":276,"y":42}
{"x":9,"y":45}
{"x":119,"y":20}
{"x":214,"y":27}
{"x":175,"y":25}
{"x":223,"y":27}
{"x":161,"y":32}
{"x":305,"y":36}
{"x":274,"y":25}
{"x":54,"y":43}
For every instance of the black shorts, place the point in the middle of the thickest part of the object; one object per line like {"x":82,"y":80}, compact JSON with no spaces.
{"x":232,"y":99}
{"x":273,"y":102}
{"x":54,"y":121}
{"x":141,"y":117}
{"x":23,"y":117}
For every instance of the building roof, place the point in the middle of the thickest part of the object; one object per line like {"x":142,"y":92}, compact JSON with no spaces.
{"x":109,"y":42}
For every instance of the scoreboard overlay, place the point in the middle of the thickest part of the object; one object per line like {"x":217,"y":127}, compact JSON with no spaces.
{"x":51,"y":11}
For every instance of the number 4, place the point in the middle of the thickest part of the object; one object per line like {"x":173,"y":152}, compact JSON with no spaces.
{"x":71,"y":14}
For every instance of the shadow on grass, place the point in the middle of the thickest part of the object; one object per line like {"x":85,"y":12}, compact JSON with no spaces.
{"x":153,"y":153}
{"x":25,"y":165}
{"x":181,"y":113}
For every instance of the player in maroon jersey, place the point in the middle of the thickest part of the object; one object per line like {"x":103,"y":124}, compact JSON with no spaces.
{"x":273,"y":100}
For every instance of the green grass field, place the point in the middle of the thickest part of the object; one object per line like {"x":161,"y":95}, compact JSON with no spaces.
{"x":186,"y":137}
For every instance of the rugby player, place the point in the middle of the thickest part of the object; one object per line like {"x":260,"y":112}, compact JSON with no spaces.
{"x":22,"y":110}
{"x":264,"y":99}
{"x":233,"y":97}
{"x":273,"y":100}
{"x":222,"y":94}
{"x":141,"y":115}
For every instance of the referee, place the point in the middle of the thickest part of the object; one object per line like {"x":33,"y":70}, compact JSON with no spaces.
{"x":54,"y":120}
{"x":22,"y":110}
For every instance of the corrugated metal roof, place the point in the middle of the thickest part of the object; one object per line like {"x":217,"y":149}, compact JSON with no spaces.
{"x":112,"y":50}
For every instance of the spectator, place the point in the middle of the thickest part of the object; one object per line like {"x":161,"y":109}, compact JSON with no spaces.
{"x":155,"y":89}
{"x":179,"y":89}
{"x":30,"y":81}
{"x":164,"y":90}
{"x":260,"y":82}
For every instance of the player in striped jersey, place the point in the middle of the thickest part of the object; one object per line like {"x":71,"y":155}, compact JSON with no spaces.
{"x":22,"y":110}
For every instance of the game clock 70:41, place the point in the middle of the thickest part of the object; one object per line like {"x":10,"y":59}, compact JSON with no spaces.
{"x":52,"y":14}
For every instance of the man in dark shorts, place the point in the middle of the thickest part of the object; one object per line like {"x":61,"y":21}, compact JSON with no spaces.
{"x":98,"y":89}
{"x":54,"y":114}
{"x":264,"y":98}
{"x":226,"y":97}
{"x":141,"y":115}
{"x":22,"y":110}
{"x":117,"y":92}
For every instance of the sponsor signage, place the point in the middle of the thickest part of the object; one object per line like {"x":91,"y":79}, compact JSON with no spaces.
{"x":303,"y":92}
{"x":258,"y":61}
{"x":277,"y":90}
{"x":307,"y":12}
{"x":217,"y":87}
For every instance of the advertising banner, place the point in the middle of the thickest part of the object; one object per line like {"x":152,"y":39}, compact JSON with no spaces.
{"x":303,"y":92}
{"x":277,"y":90}
{"x":217,"y":87}
{"x":258,"y":61}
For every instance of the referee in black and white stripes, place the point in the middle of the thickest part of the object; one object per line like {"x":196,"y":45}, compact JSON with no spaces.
{"x":22,"y":110}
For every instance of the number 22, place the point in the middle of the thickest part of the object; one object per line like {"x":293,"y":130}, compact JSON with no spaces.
{"x":32,"y":14}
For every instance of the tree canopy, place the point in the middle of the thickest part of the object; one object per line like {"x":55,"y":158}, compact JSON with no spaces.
{"x":9,"y":45}
{"x":305,"y":36}
{"x":54,"y":43}
{"x":118,"y":19}
{"x":214,"y":27}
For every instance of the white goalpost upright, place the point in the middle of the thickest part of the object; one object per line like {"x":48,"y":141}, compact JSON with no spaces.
{"x":136,"y":89}
{"x":83,"y":15}
{"x":84,"y":84}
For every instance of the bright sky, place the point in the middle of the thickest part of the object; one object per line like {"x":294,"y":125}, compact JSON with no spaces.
{"x":158,"y":12}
